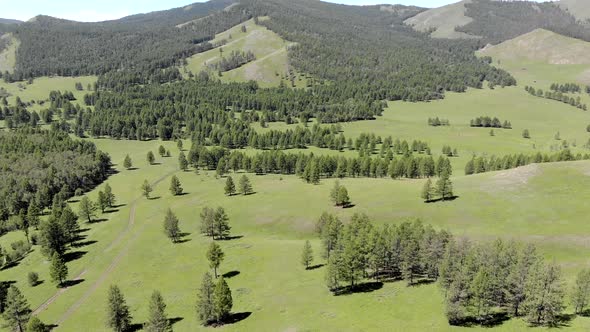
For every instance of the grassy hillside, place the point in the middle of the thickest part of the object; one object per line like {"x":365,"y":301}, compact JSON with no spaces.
{"x":578,"y":8}
{"x":444,"y":19}
{"x":8,"y":53}
{"x":271,"y":289}
{"x":271,"y":64}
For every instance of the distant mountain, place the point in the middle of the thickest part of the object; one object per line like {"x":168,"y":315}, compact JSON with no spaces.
{"x":442,"y":20}
{"x":9,"y":21}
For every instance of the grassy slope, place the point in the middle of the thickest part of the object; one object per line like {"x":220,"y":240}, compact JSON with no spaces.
{"x":8,"y":55}
{"x":271,"y":63}
{"x":40,"y":88}
{"x":444,"y":19}
{"x":534,"y":205}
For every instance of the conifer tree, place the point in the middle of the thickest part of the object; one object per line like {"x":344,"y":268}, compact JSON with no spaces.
{"x":171,"y":226}
{"x":205,"y":300}
{"x":58,"y":270}
{"x":161,"y":151}
{"x":343,"y":198}
{"x":245,"y":186}
{"x":101,"y":202}
{"x":444,"y":187}
{"x":230,"y":187}
{"x":150,"y":158}
{"x":118,"y":315}
{"x":223,"y":301}
{"x":581,"y":291}
{"x":87,"y":209}
{"x":335,"y":192}
{"x":215,"y":256}
{"x":182,"y":162}
{"x":544,"y":295}
{"x":146,"y":189}
{"x":16,"y":310}
{"x":157,"y":320}
{"x":307,"y":255}
{"x":110,"y":197}
{"x":221,"y":226}
{"x":427,"y":191}
{"x":175,"y":186}
{"x":36,"y":325}
{"x":127,"y":163}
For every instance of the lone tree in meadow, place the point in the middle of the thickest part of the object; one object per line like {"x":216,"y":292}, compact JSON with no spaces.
{"x":146,"y":189}
{"x":427,"y":191}
{"x":526,"y":134}
{"x":245,"y":186}
{"x":222,"y":301}
{"x":151,"y":158}
{"x":87,"y":209}
{"x":307,"y":255}
{"x":58,"y":270}
{"x":205,"y":300}
{"x":444,"y":187}
{"x":230,"y":187}
{"x":161,"y":151}
{"x":118,"y":316}
{"x":127,"y":163}
{"x":16,"y":310}
{"x":157,"y":320}
{"x":175,"y":186}
{"x":215,"y":256}
{"x":171,"y":226}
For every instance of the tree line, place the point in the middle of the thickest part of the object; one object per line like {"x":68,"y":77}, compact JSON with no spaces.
{"x":484,"y":164}
{"x":558,"y":96}
{"x":488,"y":122}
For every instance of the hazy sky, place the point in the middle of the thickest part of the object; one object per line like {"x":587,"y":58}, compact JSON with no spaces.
{"x":100,"y":10}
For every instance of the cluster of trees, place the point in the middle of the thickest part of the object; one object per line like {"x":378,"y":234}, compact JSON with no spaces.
{"x":498,"y":21}
{"x":443,"y":189}
{"x":566,"y":88}
{"x":234,"y":60}
{"x":358,"y":251}
{"x":488,"y":122}
{"x":486,"y":281}
{"x":558,"y":96}
{"x":489,"y":164}
{"x":215,"y":223}
{"x":436,"y":122}
{"x":38,"y":165}
{"x":339,"y":195}
{"x":450,"y":152}
{"x":245,"y":187}
{"x":214,"y":301}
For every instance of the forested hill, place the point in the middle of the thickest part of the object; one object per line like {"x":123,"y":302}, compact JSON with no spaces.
{"x":9,"y":21}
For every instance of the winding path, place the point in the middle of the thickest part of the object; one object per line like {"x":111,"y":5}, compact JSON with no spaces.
{"x":106,"y":273}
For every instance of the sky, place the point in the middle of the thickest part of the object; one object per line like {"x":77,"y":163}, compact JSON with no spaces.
{"x":101,"y":10}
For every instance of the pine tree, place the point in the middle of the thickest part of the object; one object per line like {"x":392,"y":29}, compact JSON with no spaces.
{"x":444,"y":187}
{"x":58,"y":270}
{"x":544,"y":295}
{"x":16,"y":310}
{"x":208,"y":221}
{"x":171,"y":226}
{"x":245,"y":186}
{"x":157,"y":320}
{"x":87,"y":209}
{"x":581,"y":291}
{"x":221,"y":226}
{"x":150,"y":158}
{"x":182,"y":162}
{"x":215,"y":256}
{"x":118,"y":316}
{"x":343,"y":199}
{"x":334,"y":193}
{"x":470,"y":167}
{"x":230,"y":187}
{"x":222,"y":300}
{"x":146,"y":189}
{"x":33,"y":215}
{"x":36,"y":325}
{"x":161,"y":151}
{"x":175,"y":186}
{"x":205,"y":300}
{"x":307,"y":255}
{"x":127,"y":163}
{"x":110,"y":197}
{"x":102,"y":202}
{"x":526,"y":134}
{"x":427,"y":191}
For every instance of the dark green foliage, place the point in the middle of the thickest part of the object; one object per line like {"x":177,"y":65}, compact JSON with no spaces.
{"x":161,"y":151}
{"x":118,"y":315}
{"x":157,"y":320}
{"x":205,"y":300}
{"x":222,"y":300}
{"x":215,"y":256}
{"x":110,"y":197}
{"x":559,"y":94}
{"x":127,"y":163}
{"x":102,"y":202}
{"x":36,"y":325}
{"x":215,"y":223}
{"x":33,"y":279}
{"x":427,"y":191}
{"x":58,"y":270}
{"x":436,"y":122}
{"x":230,"y":187}
{"x":339,"y":195}
{"x":307,"y":255}
{"x":444,"y":187}
{"x":234,"y":60}
{"x":36,"y":166}
{"x":150,"y":158}
{"x":493,"y":163}
{"x":146,"y":189}
{"x":16,"y":310}
{"x":487,"y":122}
{"x":175,"y":186}
{"x":245,"y":185}
{"x":182,"y":162}
{"x":171,"y":226}
{"x":87,"y":209}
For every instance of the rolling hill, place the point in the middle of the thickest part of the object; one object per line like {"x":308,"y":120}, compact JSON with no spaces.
{"x":443,"y":20}
{"x":9,"y":21}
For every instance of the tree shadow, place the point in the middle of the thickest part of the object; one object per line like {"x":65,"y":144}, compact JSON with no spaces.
{"x":154,"y":198}
{"x":74,"y":255}
{"x":39,"y":282}
{"x":71,"y":283}
{"x":132,"y":168}
{"x":118,"y":206}
{"x":98,"y":221}
{"x":74,"y":200}
{"x":491,"y":320}
{"x":314,"y":267}
{"x":450,"y":199}
{"x":182,"y":194}
{"x":585,"y":313}
{"x":229,"y":238}
{"x":250,"y":194}
{"x":564,"y":320}
{"x":155,"y":163}
{"x":348,"y":206}
{"x":366,"y":287}
{"x":109,"y":211}
{"x":182,"y":237}
{"x":80,"y":244}
{"x":50,"y":327}
{"x":231,"y":274}
{"x":134,"y":327}
{"x":237,"y":317}
{"x":421,"y":282}
{"x":174,"y":320}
